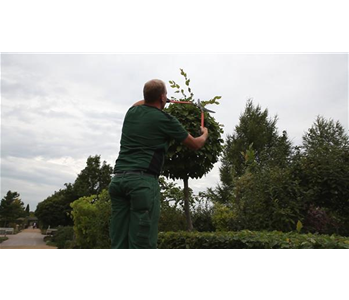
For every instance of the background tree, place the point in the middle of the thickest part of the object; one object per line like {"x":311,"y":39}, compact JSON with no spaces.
{"x":323,"y":170}
{"x":258,"y":190}
{"x":257,"y":129}
{"x":172,"y":217}
{"x":55,"y":210}
{"x":93,"y":178}
{"x":11,"y":208}
{"x":255,"y":134}
{"x":183,"y":163}
{"x":51,"y":211}
{"x":27,"y":210}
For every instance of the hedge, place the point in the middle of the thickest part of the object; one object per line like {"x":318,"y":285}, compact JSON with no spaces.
{"x":246,"y":239}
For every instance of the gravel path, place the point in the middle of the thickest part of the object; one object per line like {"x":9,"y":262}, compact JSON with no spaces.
{"x":26,"y":239}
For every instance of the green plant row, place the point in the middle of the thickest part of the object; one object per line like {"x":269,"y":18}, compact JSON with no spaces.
{"x":246,"y":239}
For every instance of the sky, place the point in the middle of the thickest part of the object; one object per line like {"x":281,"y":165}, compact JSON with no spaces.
{"x":58,"y":109}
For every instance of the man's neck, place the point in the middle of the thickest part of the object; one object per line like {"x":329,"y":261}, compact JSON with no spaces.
{"x":156,"y":105}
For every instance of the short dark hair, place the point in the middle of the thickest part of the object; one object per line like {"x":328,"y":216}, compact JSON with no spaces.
{"x":153,"y":90}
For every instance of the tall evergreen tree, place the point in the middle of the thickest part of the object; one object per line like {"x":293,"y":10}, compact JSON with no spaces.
{"x":27,"y":210}
{"x":11,"y":208}
{"x":257,"y":129}
{"x":325,"y":165}
{"x":256,"y":133}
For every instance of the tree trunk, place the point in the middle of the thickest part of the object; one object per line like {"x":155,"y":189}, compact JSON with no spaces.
{"x":186,"y":205}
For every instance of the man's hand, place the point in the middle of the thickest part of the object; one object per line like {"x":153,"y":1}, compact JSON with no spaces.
{"x":196,"y":143}
{"x":204,"y":130}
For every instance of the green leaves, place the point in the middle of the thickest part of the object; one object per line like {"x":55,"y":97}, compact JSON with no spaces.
{"x":324,"y":166}
{"x":182,"y":162}
{"x":299,"y":226}
{"x":91,"y":221}
{"x":212,"y":101}
{"x":246,"y":239}
{"x":11,"y":208}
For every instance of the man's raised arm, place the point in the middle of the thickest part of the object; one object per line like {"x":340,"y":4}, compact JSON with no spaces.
{"x":196,"y":143}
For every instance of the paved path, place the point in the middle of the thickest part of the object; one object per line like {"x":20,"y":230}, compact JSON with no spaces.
{"x":26,"y":239}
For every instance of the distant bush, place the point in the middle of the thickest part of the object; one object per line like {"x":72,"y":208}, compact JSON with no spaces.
{"x":64,"y":237}
{"x":172,"y":218}
{"x":224,"y":218}
{"x":202,"y":214}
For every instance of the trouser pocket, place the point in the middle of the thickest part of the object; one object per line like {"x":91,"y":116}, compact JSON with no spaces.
{"x":143,"y":232}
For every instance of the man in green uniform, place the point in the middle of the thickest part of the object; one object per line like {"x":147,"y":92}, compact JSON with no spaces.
{"x":134,"y":189}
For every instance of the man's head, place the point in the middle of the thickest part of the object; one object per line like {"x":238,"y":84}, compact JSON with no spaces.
{"x":155,"y":92}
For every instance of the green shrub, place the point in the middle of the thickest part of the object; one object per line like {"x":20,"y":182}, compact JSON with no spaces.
{"x":266,"y":199}
{"x":202,"y":214}
{"x":224,"y":218}
{"x":172,"y":218}
{"x":250,"y":240}
{"x":63,"y":235}
{"x":91,"y":221}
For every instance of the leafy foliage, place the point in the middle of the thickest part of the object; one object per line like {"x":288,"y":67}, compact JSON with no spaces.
{"x":91,"y":221}
{"x":321,"y":166}
{"x":255,"y":143}
{"x":202,"y":213}
{"x":258,"y":132}
{"x":182,"y":162}
{"x":250,"y":240}
{"x":325,"y":165}
{"x":268,"y":199}
{"x":172,"y":216}
{"x":171,"y":197}
{"x":11,"y":208}
{"x":64,"y":237}
{"x":55,"y":210}
{"x":266,"y":184}
{"x":224,"y":218}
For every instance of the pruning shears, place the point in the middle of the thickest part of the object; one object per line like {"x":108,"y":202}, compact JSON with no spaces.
{"x":203,"y":109}
{"x":178,"y":102}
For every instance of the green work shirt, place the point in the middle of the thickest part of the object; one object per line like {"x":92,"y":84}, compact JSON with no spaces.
{"x":146,"y":134}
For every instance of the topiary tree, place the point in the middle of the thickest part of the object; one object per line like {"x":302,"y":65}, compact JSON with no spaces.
{"x":181,"y":162}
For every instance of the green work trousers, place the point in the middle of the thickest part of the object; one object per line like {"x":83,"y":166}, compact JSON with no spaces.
{"x":135,"y":200}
